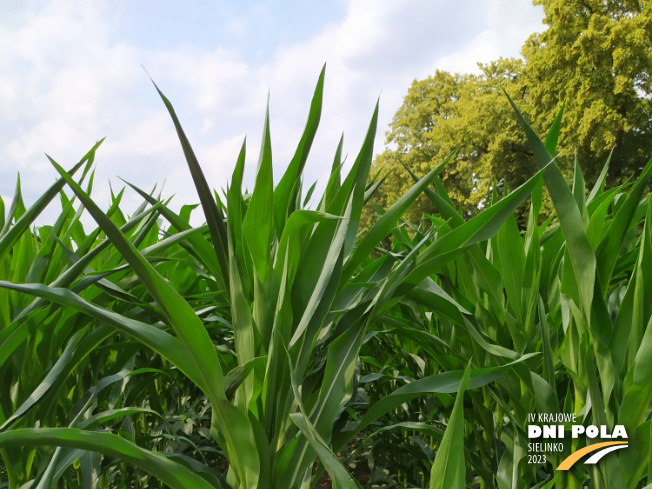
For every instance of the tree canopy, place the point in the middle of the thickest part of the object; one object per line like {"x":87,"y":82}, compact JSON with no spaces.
{"x":596,"y":55}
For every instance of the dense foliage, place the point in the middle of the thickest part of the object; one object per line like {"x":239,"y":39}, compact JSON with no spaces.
{"x":599,"y":52}
{"x":469,"y":113}
{"x":594,"y":55}
{"x":276,"y":346}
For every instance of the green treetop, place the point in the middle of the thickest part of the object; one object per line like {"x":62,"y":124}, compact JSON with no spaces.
{"x":449,"y":110}
{"x":595,"y":54}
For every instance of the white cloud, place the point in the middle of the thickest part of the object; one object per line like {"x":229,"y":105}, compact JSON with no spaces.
{"x":508,"y":25}
{"x":66,"y":81}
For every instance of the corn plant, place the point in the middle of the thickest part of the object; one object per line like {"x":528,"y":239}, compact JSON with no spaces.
{"x":574,"y":289}
{"x":294,"y":292}
{"x":49,"y":376}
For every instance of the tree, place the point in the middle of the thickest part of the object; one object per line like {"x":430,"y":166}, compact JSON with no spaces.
{"x":445,"y":111}
{"x":595,"y":54}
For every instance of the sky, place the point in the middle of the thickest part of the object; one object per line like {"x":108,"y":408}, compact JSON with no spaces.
{"x":73,"y":72}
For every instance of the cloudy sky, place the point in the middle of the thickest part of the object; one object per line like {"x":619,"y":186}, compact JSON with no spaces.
{"x":71,"y":72}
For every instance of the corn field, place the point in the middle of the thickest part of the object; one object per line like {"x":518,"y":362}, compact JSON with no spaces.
{"x":283,"y":346}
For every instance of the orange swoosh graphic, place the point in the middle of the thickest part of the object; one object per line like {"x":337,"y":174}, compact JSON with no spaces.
{"x":575,"y":456}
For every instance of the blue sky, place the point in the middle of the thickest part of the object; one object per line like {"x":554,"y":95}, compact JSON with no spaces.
{"x":157,"y":24}
{"x":70,"y":74}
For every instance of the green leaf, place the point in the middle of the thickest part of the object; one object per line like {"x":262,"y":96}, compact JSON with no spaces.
{"x":334,"y":181}
{"x":235,"y":213}
{"x":508,"y":474}
{"x":182,"y":317}
{"x":214,"y":217}
{"x":354,"y":185}
{"x":284,"y":195}
{"x":174,"y":475}
{"x":10,"y":235}
{"x":340,"y":477}
{"x":258,"y":225}
{"x":598,"y":187}
{"x":637,"y":398}
{"x":163,"y":343}
{"x":49,"y":379}
{"x":326,"y":270}
{"x":449,"y":468}
{"x":580,"y":251}
{"x":201,"y":245}
{"x":609,"y":250}
{"x":388,"y":220}
{"x":444,"y":383}
{"x":481,"y":227}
